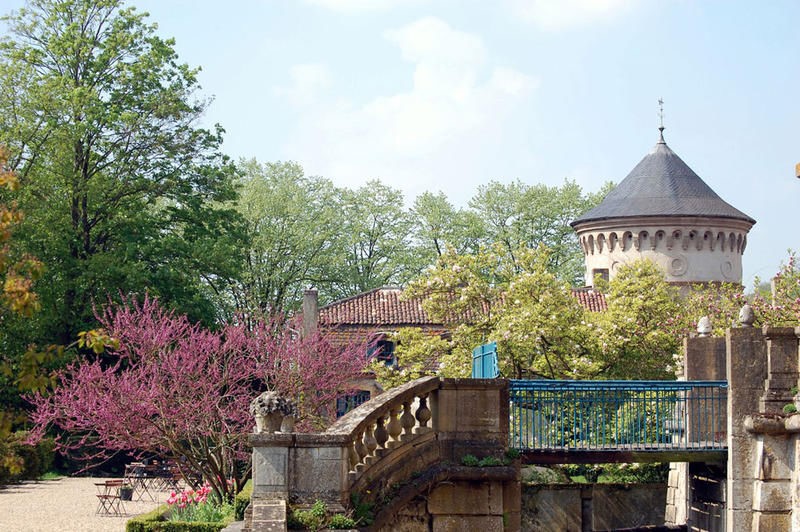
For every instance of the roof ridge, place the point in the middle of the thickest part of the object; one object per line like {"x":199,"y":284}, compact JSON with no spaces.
{"x":360,"y":295}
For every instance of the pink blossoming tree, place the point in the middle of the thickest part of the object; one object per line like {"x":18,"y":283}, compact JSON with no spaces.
{"x":171,"y":388}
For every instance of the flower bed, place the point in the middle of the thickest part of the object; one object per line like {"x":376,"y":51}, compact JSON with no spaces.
{"x":189,"y":510}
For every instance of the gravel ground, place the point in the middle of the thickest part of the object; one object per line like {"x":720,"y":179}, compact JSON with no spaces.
{"x":65,"y":505}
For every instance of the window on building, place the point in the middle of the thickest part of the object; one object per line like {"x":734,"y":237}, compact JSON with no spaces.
{"x":383,"y":350}
{"x":349,"y":402}
{"x":602,"y":272}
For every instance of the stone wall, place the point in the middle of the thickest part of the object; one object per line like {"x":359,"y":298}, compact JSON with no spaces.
{"x":457,"y":505}
{"x":687,"y":249}
{"x":578,"y":507}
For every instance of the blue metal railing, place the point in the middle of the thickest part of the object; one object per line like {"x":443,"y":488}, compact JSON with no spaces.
{"x":549,"y":415}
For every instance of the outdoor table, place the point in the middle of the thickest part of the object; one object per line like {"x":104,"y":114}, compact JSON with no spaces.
{"x":141,"y":478}
{"x":109,"y":502}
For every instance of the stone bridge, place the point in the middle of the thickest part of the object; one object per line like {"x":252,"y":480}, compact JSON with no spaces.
{"x":403,"y":453}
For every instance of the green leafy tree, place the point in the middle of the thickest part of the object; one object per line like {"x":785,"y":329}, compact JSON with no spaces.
{"x":122,"y":189}
{"x":438,"y":226}
{"x":374,"y":244}
{"x":637,"y":336}
{"x":464,"y":293}
{"x":517,"y":215}
{"x":541,"y":326}
{"x":293,"y":222}
{"x":18,"y":302}
{"x":512,"y":299}
{"x":781,"y":308}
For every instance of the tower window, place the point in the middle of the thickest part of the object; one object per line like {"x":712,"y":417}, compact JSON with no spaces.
{"x":602,"y":272}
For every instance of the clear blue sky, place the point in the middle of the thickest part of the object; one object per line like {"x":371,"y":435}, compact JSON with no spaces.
{"x":448,"y":94}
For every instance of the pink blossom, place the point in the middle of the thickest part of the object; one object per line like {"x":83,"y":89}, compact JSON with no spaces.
{"x":172,"y":384}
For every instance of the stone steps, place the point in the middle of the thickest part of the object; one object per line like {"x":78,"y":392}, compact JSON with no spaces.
{"x":265,"y":515}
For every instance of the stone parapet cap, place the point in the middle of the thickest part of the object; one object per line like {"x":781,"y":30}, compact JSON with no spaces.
{"x":474,"y":384}
{"x":294,"y":439}
{"x":775,"y":424}
{"x":774,"y":332}
{"x":275,"y":439}
{"x":322,"y":440}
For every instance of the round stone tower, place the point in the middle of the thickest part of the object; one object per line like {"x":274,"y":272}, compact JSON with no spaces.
{"x":664,"y":212}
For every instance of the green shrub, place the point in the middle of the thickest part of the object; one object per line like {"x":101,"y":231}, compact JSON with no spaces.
{"x":154,"y":521}
{"x":20,"y":461}
{"x":789,"y":408}
{"x":317,"y":518}
{"x":635,"y":473}
{"x":312,"y":519}
{"x":363,"y":511}
{"x":242,"y":500}
{"x":470,"y":460}
{"x":341,"y":522}
{"x":588,"y":472}
{"x":141,"y":523}
{"x":618,"y":473}
{"x":512,"y":454}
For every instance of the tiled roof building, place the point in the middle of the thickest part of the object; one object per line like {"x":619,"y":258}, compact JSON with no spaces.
{"x":590,"y":299}
{"x":379,"y":307}
{"x":664,"y":212}
{"x":384,"y":310}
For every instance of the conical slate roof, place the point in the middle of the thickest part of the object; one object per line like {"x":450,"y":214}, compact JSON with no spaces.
{"x":662,"y":185}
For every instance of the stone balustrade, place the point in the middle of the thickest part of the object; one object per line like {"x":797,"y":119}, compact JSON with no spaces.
{"x":384,"y":442}
{"x":386,"y":422}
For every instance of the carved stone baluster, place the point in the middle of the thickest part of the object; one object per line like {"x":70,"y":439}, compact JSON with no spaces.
{"x":407,"y":419}
{"x":352,"y":454}
{"x":369,"y":439}
{"x":423,"y":414}
{"x":394,"y":427}
{"x":381,"y":435}
{"x":361,"y":449}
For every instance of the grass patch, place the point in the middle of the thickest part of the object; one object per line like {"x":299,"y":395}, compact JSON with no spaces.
{"x":51,"y":475}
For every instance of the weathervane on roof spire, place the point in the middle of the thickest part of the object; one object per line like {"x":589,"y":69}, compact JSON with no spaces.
{"x":661,"y":119}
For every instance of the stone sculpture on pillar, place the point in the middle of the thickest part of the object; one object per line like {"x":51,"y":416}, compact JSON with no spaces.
{"x":746,"y":316}
{"x":704,"y":326}
{"x":272,"y":411}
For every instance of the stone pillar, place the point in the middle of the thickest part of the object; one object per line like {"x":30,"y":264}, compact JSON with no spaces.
{"x":470,"y":416}
{"x":772,"y":488}
{"x":677,"y":494}
{"x":310,"y":311}
{"x":318,"y":469}
{"x":781,"y":369}
{"x":774,"y":449}
{"x":704,"y":359}
{"x":271,"y":465}
{"x":746,"y":370}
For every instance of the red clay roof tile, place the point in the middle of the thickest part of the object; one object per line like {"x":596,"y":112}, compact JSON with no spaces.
{"x":384,"y":306}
